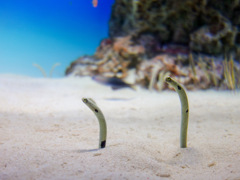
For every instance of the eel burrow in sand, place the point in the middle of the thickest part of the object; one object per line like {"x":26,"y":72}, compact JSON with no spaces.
{"x":185,"y":110}
{"x":102,"y":123}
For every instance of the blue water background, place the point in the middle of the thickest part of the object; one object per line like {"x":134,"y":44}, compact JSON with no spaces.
{"x":46,"y":32}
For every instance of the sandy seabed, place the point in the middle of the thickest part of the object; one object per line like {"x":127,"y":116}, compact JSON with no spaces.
{"x":46,"y":132}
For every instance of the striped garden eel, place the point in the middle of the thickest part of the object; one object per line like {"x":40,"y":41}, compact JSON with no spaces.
{"x":102,"y":123}
{"x":185,"y":110}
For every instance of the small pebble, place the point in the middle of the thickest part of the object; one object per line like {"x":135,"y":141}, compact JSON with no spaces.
{"x":97,"y":154}
{"x":211,"y":164}
{"x":163,"y":175}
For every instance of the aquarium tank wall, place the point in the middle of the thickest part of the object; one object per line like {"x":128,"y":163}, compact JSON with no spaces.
{"x":44,"y":33}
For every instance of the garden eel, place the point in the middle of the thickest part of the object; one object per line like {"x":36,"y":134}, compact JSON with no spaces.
{"x":102,"y":123}
{"x":185,"y":110}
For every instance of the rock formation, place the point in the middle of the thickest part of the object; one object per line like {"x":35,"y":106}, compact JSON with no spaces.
{"x":186,"y":39}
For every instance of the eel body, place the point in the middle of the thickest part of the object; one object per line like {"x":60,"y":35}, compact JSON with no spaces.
{"x":102,"y":123}
{"x":184,"y":108}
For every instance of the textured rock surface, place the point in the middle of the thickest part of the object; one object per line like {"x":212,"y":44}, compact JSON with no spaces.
{"x":187,"y":40}
{"x":205,"y":26}
{"x":112,"y":58}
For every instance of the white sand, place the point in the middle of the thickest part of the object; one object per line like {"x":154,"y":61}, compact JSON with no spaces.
{"x":46,"y":132}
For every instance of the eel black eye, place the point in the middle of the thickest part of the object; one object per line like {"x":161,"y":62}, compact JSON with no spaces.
{"x":179,"y":88}
{"x":85,"y":100}
{"x":96,"y":110}
{"x":187,"y":111}
{"x":168,"y":79}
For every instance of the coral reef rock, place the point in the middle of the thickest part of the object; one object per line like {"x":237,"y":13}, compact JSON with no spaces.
{"x":207,"y":26}
{"x":113,"y":58}
{"x":152,"y":39}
